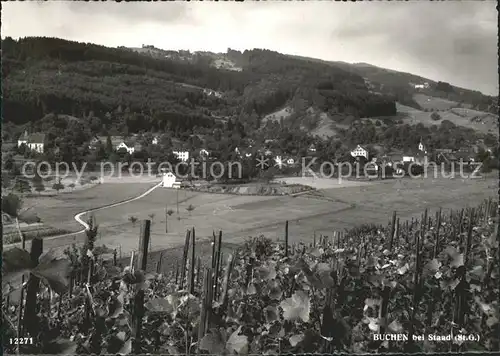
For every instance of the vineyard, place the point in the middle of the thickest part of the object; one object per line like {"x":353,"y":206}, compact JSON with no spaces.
{"x":438,"y":275}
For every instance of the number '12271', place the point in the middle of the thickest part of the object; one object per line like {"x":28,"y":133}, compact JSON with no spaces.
{"x":21,"y":341}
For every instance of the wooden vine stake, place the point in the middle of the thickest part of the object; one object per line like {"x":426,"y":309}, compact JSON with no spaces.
{"x":416,"y":287}
{"x":225,"y":285}
{"x":393,"y":229}
{"x":396,"y":232}
{"x":192,"y":264}
{"x":158,"y":265}
{"x":218,"y":261}
{"x":30,"y":324}
{"x":438,"y":227}
{"x":286,"y":239}
{"x":204,"y":304}
{"x":184,"y":259}
{"x":138,"y":302}
{"x":214,"y":246}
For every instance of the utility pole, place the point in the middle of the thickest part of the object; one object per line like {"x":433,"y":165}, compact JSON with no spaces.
{"x":177,"y":201}
{"x":166,"y":219}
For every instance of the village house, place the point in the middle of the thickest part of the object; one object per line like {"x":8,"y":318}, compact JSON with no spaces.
{"x":154,"y":141}
{"x":169,"y":180}
{"x":182,"y":155}
{"x":102,"y":140}
{"x":454,"y":156}
{"x":204,"y":153}
{"x":312,"y":148}
{"x":421,"y":86}
{"x":35,"y":141}
{"x":420,"y":157}
{"x":130,"y":146}
{"x":210,"y":92}
{"x":359,"y":151}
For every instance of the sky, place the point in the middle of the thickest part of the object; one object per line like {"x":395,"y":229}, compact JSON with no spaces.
{"x":452,"y":41}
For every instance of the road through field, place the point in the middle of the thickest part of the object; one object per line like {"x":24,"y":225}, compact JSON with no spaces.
{"x":66,"y":239}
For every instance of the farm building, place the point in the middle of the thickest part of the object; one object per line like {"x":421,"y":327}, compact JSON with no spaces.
{"x":35,"y":141}
{"x":182,"y":155}
{"x":204,"y":153}
{"x":130,"y":146}
{"x":359,"y":151}
{"x":169,"y":180}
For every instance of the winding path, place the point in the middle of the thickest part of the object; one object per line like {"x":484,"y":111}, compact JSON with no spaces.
{"x":78,"y":218}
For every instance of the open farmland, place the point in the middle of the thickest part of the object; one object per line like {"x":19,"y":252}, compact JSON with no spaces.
{"x":283,"y":113}
{"x":334,"y":208}
{"x":430,"y":102}
{"x":461,"y":117}
{"x":59,"y":210}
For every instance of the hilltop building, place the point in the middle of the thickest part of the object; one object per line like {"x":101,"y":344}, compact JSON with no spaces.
{"x":35,"y":141}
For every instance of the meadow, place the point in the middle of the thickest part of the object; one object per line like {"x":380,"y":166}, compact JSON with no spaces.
{"x":333,"y":208}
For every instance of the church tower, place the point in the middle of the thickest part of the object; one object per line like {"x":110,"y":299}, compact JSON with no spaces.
{"x":421,"y":146}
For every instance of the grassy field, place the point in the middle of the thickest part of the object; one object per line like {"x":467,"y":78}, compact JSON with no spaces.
{"x":461,"y":117}
{"x":59,"y":210}
{"x":326,"y":210}
{"x":321,"y":212}
{"x":430,"y":102}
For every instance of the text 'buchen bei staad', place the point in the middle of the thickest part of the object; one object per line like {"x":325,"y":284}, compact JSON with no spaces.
{"x":428,"y":337}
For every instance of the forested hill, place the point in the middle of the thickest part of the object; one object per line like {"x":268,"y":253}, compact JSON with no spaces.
{"x":128,"y":92}
{"x":396,"y":83}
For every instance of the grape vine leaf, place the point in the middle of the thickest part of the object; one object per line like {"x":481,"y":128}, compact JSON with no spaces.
{"x":16,"y":259}
{"x":214,"y":341}
{"x":251,"y":290}
{"x":297,"y":307}
{"x":266,"y":272}
{"x":457,"y":258}
{"x":296,"y":339}
{"x":395,"y":327}
{"x":237,"y":343}
{"x":431,"y":267}
{"x":271,"y":313}
{"x":62,"y":347}
{"x":54,"y":272}
{"x":159,"y":305}
{"x":491,"y":321}
{"x":275,"y":291}
{"x":126,"y":348}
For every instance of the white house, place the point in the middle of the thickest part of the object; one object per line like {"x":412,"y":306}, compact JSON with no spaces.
{"x":131,"y":146}
{"x":123,"y":145}
{"x":312,"y":148}
{"x":35,"y":142}
{"x":210,"y":92}
{"x":278,"y":161}
{"x":169,"y":180}
{"x":154,"y":141}
{"x":421,"y":146}
{"x":359,"y":152}
{"x":290,"y":161}
{"x":204,"y":153}
{"x":23,"y":140}
{"x":182,"y":155}
{"x":419,"y":86}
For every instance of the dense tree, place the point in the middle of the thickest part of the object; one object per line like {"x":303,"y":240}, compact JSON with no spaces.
{"x":11,"y":204}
